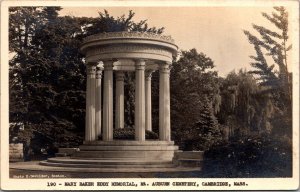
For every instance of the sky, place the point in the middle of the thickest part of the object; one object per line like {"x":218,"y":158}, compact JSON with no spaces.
{"x":215,"y":31}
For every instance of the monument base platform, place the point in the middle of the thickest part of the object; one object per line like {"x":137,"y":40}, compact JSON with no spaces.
{"x":119,"y":154}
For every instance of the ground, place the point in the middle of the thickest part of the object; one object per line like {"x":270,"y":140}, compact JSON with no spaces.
{"x":26,"y":170}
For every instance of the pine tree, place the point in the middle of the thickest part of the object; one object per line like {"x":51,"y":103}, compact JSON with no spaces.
{"x":207,"y":130}
{"x":275,"y":44}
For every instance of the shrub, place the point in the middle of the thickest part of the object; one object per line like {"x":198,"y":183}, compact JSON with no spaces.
{"x":251,"y":156}
{"x":128,"y":134}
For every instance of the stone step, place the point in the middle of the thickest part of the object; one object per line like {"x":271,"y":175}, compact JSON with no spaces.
{"x":190,"y":162}
{"x":68,"y":151}
{"x":128,"y":143}
{"x":189,"y":154}
{"x":78,"y":165}
{"x":128,"y":148}
{"x":150,"y":155}
{"x":16,"y":160}
{"x":60,"y":154}
{"x":108,"y":161}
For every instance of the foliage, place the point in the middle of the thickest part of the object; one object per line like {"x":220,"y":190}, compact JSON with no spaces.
{"x":251,"y":156}
{"x":276,"y":84}
{"x":206,"y":130}
{"x":107,"y":23}
{"x":275,"y":43}
{"x":47,"y":74}
{"x":246,"y":107}
{"x":41,"y":68}
{"x":47,"y":93}
{"x":129,"y":133}
{"x":129,"y":99}
{"x":192,"y":80}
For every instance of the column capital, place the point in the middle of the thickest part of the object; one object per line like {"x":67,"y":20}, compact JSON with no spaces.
{"x":92,"y":63}
{"x":108,"y":64}
{"x":119,"y":76}
{"x":90,"y":69}
{"x":140,"y":64}
{"x":164,"y":68}
{"x":148,"y":74}
{"x":98,"y":73}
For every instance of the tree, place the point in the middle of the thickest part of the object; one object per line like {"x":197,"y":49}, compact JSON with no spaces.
{"x":206,"y":130}
{"x":274,"y":44}
{"x":193,"y":80}
{"x":108,"y":23}
{"x":47,"y":74}
{"x":50,"y":75}
{"x":25,"y":22}
{"x":246,"y":107}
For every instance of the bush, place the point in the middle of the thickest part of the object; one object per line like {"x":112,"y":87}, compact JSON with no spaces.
{"x":251,"y":156}
{"x":128,"y":134}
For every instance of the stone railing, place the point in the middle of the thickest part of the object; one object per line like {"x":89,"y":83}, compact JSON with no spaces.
{"x":125,"y":34}
{"x":16,"y":152}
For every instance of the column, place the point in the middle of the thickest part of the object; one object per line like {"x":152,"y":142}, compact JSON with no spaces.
{"x":139,"y":112}
{"x":108,"y":101}
{"x":119,"y":114}
{"x":148,"y":107}
{"x":164,"y":103}
{"x":98,"y":109}
{"x":90,"y":103}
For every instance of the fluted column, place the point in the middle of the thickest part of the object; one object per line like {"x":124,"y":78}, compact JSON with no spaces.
{"x":98,"y":108}
{"x":108,"y":101}
{"x":139,"y":100}
{"x":119,"y":114}
{"x":90,"y":103}
{"x":164,"y":103}
{"x":148,"y":103}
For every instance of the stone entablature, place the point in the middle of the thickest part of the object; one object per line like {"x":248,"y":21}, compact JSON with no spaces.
{"x":129,"y":45}
{"x":130,"y":51}
{"x":132,"y":35}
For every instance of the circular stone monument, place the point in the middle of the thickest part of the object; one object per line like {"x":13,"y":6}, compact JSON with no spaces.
{"x":114,"y":54}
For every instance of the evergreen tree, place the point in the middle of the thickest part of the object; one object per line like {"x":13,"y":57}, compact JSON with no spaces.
{"x":275,"y":43}
{"x":278,"y":84}
{"x":206,"y":130}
